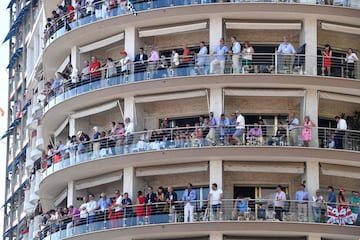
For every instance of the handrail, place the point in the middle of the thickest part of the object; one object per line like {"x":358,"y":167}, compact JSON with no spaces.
{"x":196,"y":65}
{"x":78,"y":16}
{"x":172,"y":212}
{"x":194,"y":137}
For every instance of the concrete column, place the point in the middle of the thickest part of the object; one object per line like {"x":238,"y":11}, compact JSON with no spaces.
{"x":71,"y":195}
{"x":72,"y":128}
{"x":129,"y":180}
{"x":311,"y":109}
{"x":216,"y":102}
{"x":216,"y":173}
{"x":216,"y":236}
{"x":129,"y":108}
{"x":314,"y":236}
{"x":215,"y":32}
{"x":308,"y":35}
{"x":312,"y":182}
{"x":130,"y":43}
{"x":75,"y":57}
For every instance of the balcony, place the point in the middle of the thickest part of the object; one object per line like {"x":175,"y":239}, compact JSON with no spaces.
{"x":81,"y":17}
{"x":243,"y":215}
{"x":172,"y":139}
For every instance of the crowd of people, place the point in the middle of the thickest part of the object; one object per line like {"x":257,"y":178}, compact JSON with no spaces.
{"x":166,"y":206}
{"x":121,"y":137}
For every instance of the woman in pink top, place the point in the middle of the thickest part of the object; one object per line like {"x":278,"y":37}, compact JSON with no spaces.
{"x":306,"y":131}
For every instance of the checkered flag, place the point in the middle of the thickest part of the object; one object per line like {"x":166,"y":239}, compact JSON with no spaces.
{"x":131,"y":8}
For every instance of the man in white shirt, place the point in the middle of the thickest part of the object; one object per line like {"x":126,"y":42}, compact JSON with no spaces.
{"x":83,"y":216}
{"x":341,"y":127}
{"x":235,"y":50}
{"x":279,"y":202}
{"x":318,"y":201}
{"x":214,"y":199}
{"x":129,"y":130}
{"x":286,"y":50}
{"x":118,"y":206}
{"x":91,"y":209}
{"x":240,"y":128}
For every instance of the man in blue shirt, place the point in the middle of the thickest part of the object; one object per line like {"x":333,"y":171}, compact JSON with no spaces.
{"x":223,"y":128}
{"x":189,"y":197}
{"x":302,"y":198}
{"x":102,"y":210}
{"x":220,"y":57}
{"x":210,"y":137}
{"x":332,"y":197}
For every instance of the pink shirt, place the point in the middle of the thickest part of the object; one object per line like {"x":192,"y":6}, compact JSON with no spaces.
{"x":154,"y":56}
{"x":75,"y":213}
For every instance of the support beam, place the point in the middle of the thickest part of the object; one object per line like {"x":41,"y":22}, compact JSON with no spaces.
{"x":72,"y":126}
{"x":215,"y":32}
{"x":314,"y":236}
{"x":130,"y":45}
{"x":311,"y":109}
{"x":129,"y":108}
{"x":312,"y":177}
{"x":216,"y":100}
{"x":75,"y":57}
{"x":71,"y":196}
{"x":216,"y":173}
{"x":129,"y":182}
{"x":216,"y":236}
{"x":308,"y":35}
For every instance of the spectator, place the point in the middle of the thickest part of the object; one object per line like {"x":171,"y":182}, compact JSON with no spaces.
{"x":189,"y":197}
{"x":103,"y":145}
{"x":118,"y":209}
{"x":247,"y":54}
{"x":153,"y":61}
{"x":175,"y":62}
{"x":85,"y":73}
{"x":263,"y":127}
{"x":96,"y":143}
{"x":279,"y":202}
{"x":215,"y":198}
{"x":332,"y":197}
{"x":341,"y":127}
{"x":210,"y":137}
{"x":57,"y":85}
{"x":317,"y":205}
{"x":240,"y":128}
{"x":220,"y":57}
{"x":120,"y":138}
{"x":102,"y":208}
{"x":111,"y":71}
{"x":83,"y":215}
{"x":327,"y":54}
{"x":162,"y":67}
{"x":140,"y":209}
{"x":74,"y":215}
{"x":125,"y":67}
{"x":151,"y":198}
{"x":185,"y":60}
{"x":354,"y":203}
{"x":128,"y":211}
{"x":161,"y":199}
{"x":256,"y":133}
{"x":201,"y":59}
{"x":341,"y":198}
{"x":95,"y":73}
{"x":293,"y":123}
{"x":223,"y":128}
{"x":129,"y":130}
{"x":141,"y":62}
{"x":286,"y":51}
{"x":235,"y":51}
{"x":241,"y":208}
{"x":306,"y":131}
{"x":91,"y":209}
{"x":302,"y":198}
{"x":171,"y":199}
{"x":350,"y":60}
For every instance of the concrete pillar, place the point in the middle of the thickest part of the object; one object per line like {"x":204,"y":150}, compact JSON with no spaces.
{"x":75,"y":57}
{"x":314,"y":236}
{"x":72,"y":128}
{"x":71,"y":195}
{"x":311,"y":109}
{"x":308,"y":35}
{"x":312,"y":181}
{"x":216,"y":236}
{"x":216,"y":173}
{"x":216,"y":100}
{"x":129,"y":180}
{"x":129,"y":108}
{"x":215,"y":32}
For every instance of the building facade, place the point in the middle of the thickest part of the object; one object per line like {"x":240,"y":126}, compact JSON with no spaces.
{"x":75,"y":67}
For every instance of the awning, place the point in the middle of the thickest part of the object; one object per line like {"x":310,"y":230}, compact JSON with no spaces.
{"x":17,"y":22}
{"x":11,"y":128}
{"x":18,"y":157}
{"x":7,"y":232}
{"x":16,"y":192}
{"x":15,"y":57}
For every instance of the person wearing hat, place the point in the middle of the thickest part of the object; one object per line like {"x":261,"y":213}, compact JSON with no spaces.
{"x":340,"y":132}
{"x":302,"y":198}
{"x":354,"y":203}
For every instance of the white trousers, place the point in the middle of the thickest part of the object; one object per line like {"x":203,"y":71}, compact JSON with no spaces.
{"x":188,"y":209}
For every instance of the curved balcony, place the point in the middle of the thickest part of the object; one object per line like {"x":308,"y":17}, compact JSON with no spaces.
{"x":172,"y":139}
{"x":234,"y":216}
{"x":262,"y":66}
{"x":102,"y":11}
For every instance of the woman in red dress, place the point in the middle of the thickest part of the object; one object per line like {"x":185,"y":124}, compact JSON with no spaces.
{"x":327,"y":53}
{"x":140,"y":209}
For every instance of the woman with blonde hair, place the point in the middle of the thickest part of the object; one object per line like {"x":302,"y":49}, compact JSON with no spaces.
{"x":306,"y":131}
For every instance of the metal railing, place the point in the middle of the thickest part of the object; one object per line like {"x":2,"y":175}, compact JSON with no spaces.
{"x":116,"y":74}
{"x":176,"y":212}
{"x":195,"y":137}
{"x":102,"y":10}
